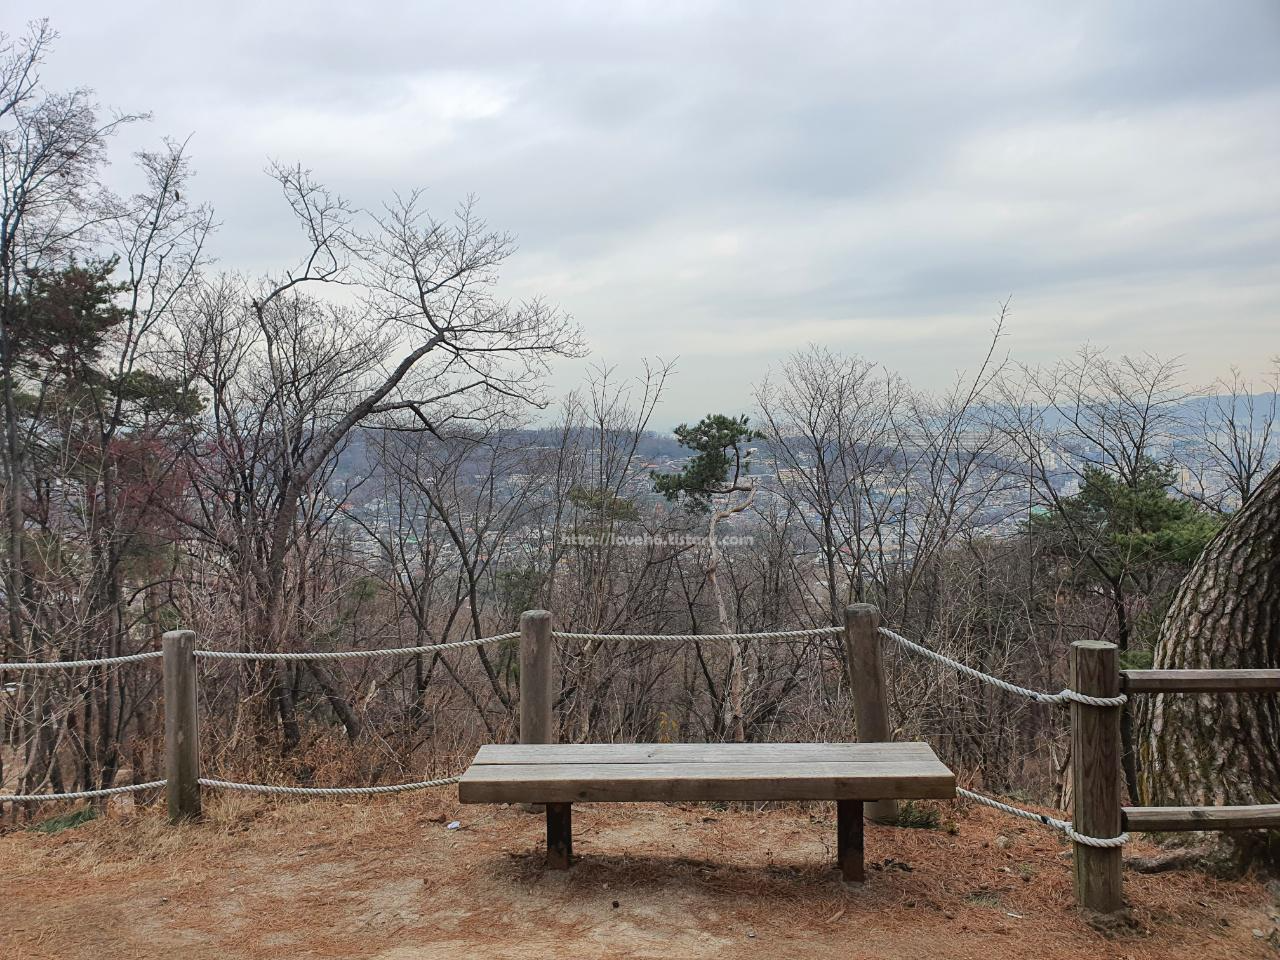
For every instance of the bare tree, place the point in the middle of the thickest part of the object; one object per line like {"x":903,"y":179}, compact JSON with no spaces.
{"x":52,"y":149}
{"x":88,"y":282}
{"x":1113,"y":418}
{"x":1093,"y":413}
{"x":1238,"y":439}
{"x":604,"y":425}
{"x":425,"y":343}
{"x":829,"y":420}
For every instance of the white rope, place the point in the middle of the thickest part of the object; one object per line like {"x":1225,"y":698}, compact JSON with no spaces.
{"x":353,"y":654}
{"x":429,"y":648}
{"x":70,"y":664}
{"x":1063,"y":825}
{"x":80,"y":794}
{"x":325,"y":791}
{"x":695,"y":637}
{"x":1040,"y":697}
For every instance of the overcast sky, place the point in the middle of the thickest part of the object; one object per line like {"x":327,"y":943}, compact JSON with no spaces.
{"x":724,"y":182}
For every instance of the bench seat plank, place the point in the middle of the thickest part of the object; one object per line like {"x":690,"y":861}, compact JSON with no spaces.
{"x":573,"y":753}
{"x":856,"y":775}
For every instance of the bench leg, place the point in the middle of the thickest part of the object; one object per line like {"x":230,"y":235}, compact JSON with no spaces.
{"x":559,"y":835}
{"x":849,"y":839}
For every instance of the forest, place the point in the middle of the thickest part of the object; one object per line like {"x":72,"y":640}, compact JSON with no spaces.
{"x":363,"y":450}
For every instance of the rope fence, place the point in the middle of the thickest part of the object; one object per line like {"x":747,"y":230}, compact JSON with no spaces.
{"x":426,"y":648}
{"x":355,"y":654}
{"x":72,"y":664}
{"x":79,"y":794}
{"x":1065,"y":826}
{"x":325,"y":791}
{"x":1064,"y":696}
{"x":697,"y":637}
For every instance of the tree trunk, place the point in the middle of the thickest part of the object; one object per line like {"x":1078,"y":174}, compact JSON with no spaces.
{"x":337,"y":702}
{"x":1221,"y":748}
{"x":734,"y":704}
{"x":1128,"y":749}
{"x":15,"y":579}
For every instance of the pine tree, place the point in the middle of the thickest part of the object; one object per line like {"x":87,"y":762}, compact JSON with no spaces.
{"x":1223,"y":748}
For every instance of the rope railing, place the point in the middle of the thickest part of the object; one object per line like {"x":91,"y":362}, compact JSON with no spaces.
{"x":1064,"y":696}
{"x":72,"y":664}
{"x":79,"y":794}
{"x":355,"y":654}
{"x":696,"y":637}
{"x":325,"y":791}
{"x":1064,"y":825}
{"x":426,"y":648}
{"x":231,"y":785}
{"x":46,"y":665}
{"x":283,"y":790}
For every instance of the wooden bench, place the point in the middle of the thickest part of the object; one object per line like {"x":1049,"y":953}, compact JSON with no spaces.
{"x":559,"y":775}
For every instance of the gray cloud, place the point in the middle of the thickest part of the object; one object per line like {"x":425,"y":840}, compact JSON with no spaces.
{"x":725,"y":181}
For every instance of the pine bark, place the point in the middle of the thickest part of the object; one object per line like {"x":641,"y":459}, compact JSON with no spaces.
{"x":1221,"y":748}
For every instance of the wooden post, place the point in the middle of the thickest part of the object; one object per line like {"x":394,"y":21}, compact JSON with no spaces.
{"x":181,"y":726}
{"x":559,"y":835}
{"x":1096,"y":780}
{"x":849,"y":840}
{"x":866,"y":680}
{"x":537,"y":650}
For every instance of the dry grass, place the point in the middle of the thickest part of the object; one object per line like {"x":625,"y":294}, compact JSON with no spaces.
{"x":386,"y":879}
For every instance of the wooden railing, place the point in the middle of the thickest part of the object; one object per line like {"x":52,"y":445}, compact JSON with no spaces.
{"x":1200,"y":681}
{"x":1097,"y":779}
{"x":1172,"y":819}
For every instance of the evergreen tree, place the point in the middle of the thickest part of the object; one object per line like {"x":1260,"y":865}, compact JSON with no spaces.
{"x":1130,"y":542}
{"x":708,"y":482}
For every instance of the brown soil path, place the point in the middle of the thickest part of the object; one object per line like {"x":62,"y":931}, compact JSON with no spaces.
{"x":386,"y":879}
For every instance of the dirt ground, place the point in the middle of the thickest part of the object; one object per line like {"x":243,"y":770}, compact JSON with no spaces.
{"x":387,"y":879}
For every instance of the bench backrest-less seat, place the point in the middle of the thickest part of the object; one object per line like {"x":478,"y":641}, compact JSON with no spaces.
{"x":579,"y":773}
{"x":559,"y":775}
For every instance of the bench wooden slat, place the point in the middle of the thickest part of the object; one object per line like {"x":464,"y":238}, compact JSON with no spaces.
{"x":573,"y":753}
{"x":664,"y":781}
{"x":560,"y":775}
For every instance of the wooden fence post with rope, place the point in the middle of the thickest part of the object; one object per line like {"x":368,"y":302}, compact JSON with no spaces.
{"x":1097,"y":695}
{"x":181,"y":726}
{"x":1096,"y":780}
{"x":537,"y":691}
{"x":537,"y":683}
{"x":866,"y":681}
